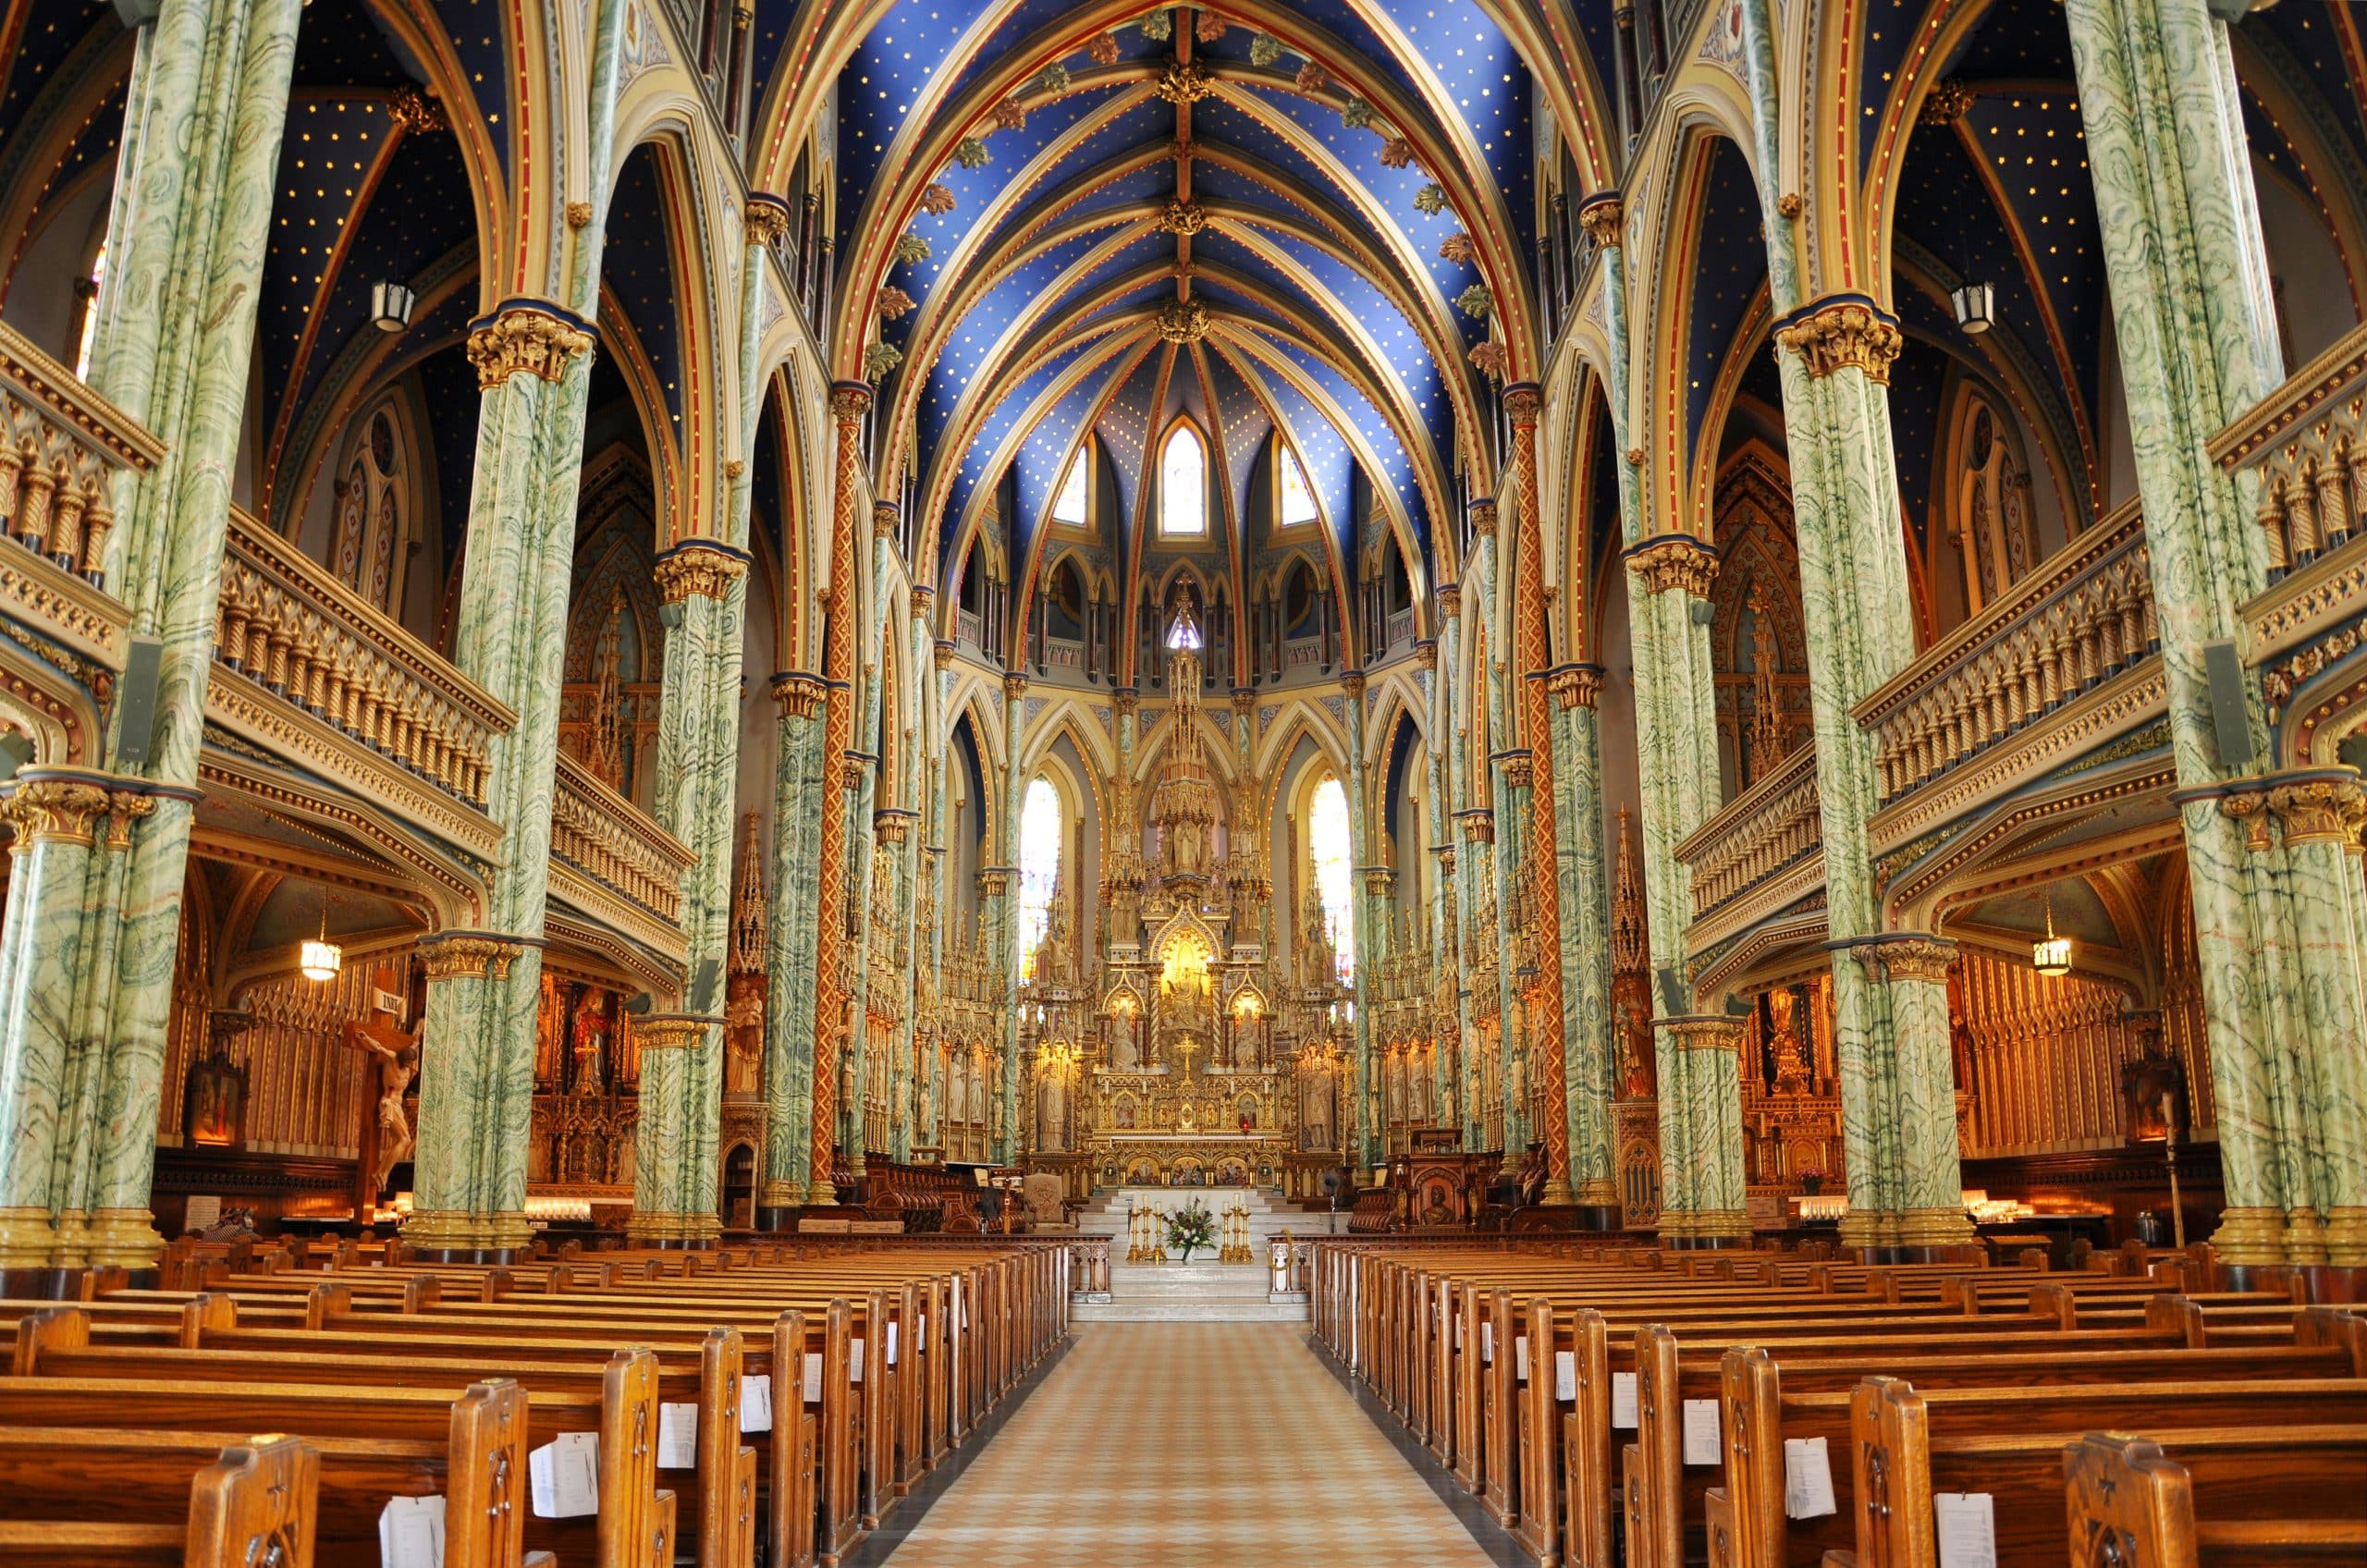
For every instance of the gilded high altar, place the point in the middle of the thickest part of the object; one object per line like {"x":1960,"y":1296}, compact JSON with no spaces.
{"x":1188,"y":1052}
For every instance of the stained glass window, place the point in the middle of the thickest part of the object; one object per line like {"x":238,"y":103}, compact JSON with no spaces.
{"x":1040,"y":868}
{"x":1298,"y":498}
{"x":1183,"y":484}
{"x":1328,"y":846}
{"x":1069,"y":505}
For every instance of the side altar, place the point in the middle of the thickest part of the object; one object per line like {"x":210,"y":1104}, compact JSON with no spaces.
{"x":1186,"y":1052}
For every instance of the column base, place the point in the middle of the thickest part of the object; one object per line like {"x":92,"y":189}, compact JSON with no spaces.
{"x":28,"y":1239}
{"x":821,"y":1194}
{"x":1557,"y":1194}
{"x":675,"y":1233}
{"x":2305,"y":1237}
{"x":2250,"y":1237}
{"x":455,"y":1235}
{"x":780,"y":1193}
{"x":124,"y":1238}
{"x":1700,"y":1228}
{"x":2347,"y":1237}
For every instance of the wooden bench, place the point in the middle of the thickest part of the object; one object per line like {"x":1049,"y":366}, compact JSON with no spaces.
{"x":2129,"y":1501}
{"x":171,"y":1501}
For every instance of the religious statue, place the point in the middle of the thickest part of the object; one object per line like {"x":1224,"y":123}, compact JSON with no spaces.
{"x":1637,"y":1071}
{"x":1318,"y":963}
{"x":592,"y":1026}
{"x":1318,"y":1118}
{"x":397,"y":1067}
{"x":1051,"y":1111}
{"x":1125,"y":1053}
{"x":1185,"y":847}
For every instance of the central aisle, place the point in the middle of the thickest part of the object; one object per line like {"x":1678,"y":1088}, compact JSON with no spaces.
{"x":1181,"y":1445}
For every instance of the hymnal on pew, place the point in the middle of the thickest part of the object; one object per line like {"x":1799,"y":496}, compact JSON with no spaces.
{"x":1808,"y":1480}
{"x":566,"y":1475}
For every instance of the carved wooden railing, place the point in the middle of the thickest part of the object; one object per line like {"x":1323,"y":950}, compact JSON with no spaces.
{"x":61,"y":447}
{"x":2308,"y":444}
{"x":1774,"y":825}
{"x":2083,"y":616}
{"x":288,"y":626}
{"x":610,"y":840}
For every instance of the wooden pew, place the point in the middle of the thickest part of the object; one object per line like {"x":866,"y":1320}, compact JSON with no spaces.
{"x":171,"y":1501}
{"x":2124,"y":1496}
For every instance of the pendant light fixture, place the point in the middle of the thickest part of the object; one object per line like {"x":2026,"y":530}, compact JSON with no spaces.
{"x":2051,"y":956}
{"x":1976,"y":306}
{"x":321,"y":959}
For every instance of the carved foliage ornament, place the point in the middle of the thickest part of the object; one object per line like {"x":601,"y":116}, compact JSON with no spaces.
{"x":537,"y":339}
{"x":2322,"y":810}
{"x":698,"y":568}
{"x":469,"y":958}
{"x":414,"y":110}
{"x":1603,"y":219}
{"x":767,"y":220}
{"x":849,"y":400}
{"x":1908,"y":958}
{"x":1674,"y":561}
{"x":800,"y":696}
{"x":1183,"y":217}
{"x":1183,"y":81}
{"x":1184,"y":321}
{"x":1576,"y":686}
{"x":1844,"y":333}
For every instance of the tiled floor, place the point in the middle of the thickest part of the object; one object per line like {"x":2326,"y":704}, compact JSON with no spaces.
{"x":1188,"y":1444}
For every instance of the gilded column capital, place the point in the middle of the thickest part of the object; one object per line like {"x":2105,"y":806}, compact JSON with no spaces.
{"x":1574,"y":685}
{"x":1843,"y":330}
{"x":1446,"y":859}
{"x":893,"y":824}
{"x":1701,"y":1032}
{"x":1450,"y":598}
{"x":1906,"y":955}
{"x":1603,"y":217}
{"x":1523,"y":401}
{"x":2248,"y":810}
{"x":943,"y":651}
{"x":672,"y":1031}
{"x":1478,"y":824}
{"x":993,"y":883}
{"x":1675,"y":561}
{"x":1483,"y":518}
{"x":849,"y":400}
{"x":532,"y":336}
{"x":1426,"y":652}
{"x":706,"y":567}
{"x":767,"y":221}
{"x":885,"y":516}
{"x":1126,"y":700}
{"x":54,"y":808}
{"x":1352,"y":681}
{"x":800,"y":696}
{"x":923,"y":601}
{"x":1379,"y":880}
{"x":1515,"y":763}
{"x":471,"y":955}
{"x":2318,"y":807}
{"x":1014,"y":686}
{"x":1245,"y":699}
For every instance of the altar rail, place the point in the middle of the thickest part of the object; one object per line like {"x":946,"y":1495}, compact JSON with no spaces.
{"x":1771,"y":827}
{"x":2084,"y":616}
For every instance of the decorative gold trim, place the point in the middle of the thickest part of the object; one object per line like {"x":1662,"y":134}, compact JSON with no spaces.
{"x":1015,"y":687}
{"x":1846,"y":332}
{"x":1675,"y":561}
{"x":1185,"y":81}
{"x":525,"y":337}
{"x":767,"y":220}
{"x":800,"y":696}
{"x":468,"y":956}
{"x":1604,"y":219}
{"x":1702,"y":1033}
{"x":1576,"y":686}
{"x":699,"y":567}
{"x":673,"y":1031}
{"x":1907,"y":958}
{"x":1182,"y":217}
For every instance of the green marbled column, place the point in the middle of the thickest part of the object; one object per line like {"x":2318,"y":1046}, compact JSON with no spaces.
{"x":862,"y":837}
{"x":791,"y":942}
{"x":1713,"y":1117}
{"x":205,"y":107}
{"x":1924,"y":1203}
{"x":677,"y":1182}
{"x":1445,"y":951}
{"x":1369,"y":1128}
{"x":1005,"y":1138}
{"x":2194,"y":324}
{"x":1589,"y":1058}
{"x":42,"y":968}
{"x":1451,"y":701}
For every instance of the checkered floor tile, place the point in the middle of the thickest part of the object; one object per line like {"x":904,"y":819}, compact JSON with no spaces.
{"x":1185,"y":1444}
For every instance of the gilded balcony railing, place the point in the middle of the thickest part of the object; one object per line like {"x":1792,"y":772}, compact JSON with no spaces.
{"x":61,"y":447}
{"x":1771,"y":827}
{"x":2081,"y":617}
{"x":599,"y":833}
{"x":289,"y":627}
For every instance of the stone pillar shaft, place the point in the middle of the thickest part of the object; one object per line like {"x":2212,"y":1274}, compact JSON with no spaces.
{"x":792,"y":941}
{"x":1585,"y":934}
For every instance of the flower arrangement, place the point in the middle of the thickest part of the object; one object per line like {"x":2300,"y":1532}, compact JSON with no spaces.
{"x":1189,"y":1227}
{"x":1812,"y":1180}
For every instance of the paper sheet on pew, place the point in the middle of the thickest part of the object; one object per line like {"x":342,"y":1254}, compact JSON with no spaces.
{"x":1520,"y":1358}
{"x":813,"y":1376}
{"x":677,"y":1437}
{"x":1808,"y":1480}
{"x":1968,"y":1529}
{"x":892,"y":1344}
{"x":1701,"y":1431}
{"x":411,"y":1533}
{"x":1488,"y":1344}
{"x":565,"y":1472}
{"x":756,"y":1402}
{"x":855,"y":1361}
{"x":1623,"y":1399}
{"x":1565,"y":1374}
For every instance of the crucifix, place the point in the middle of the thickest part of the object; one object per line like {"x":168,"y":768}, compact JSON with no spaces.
{"x":392,"y":1061}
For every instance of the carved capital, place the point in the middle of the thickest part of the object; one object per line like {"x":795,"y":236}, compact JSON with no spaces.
{"x":1575,"y":685}
{"x":1446,"y":860}
{"x":1352,"y":681}
{"x":923,"y":600}
{"x":1126,"y":700}
{"x":1844,"y":331}
{"x":1517,"y":769}
{"x":1523,"y":400}
{"x":699,"y":567}
{"x":578,"y":214}
{"x":469,"y":955}
{"x":1478,"y":824}
{"x":54,"y":810}
{"x":1675,"y":561}
{"x":1695,"y":1032}
{"x":1243,"y":701}
{"x":1425,"y":653}
{"x":892,"y":825}
{"x":527,"y":336}
{"x":849,"y":400}
{"x":1379,"y":880}
{"x":1483,"y":518}
{"x":1450,"y":598}
{"x":1014,"y":686}
{"x":1603,"y":218}
{"x":993,"y":884}
{"x":944,"y":651}
{"x":672,"y":1031}
{"x":799,"y":694}
{"x":2249,"y":810}
{"x":2325,"y":809}
{"x":1908,"y":957}
{"x":767,"y":221}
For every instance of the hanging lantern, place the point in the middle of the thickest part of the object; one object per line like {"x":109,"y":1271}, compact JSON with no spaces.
{"x":319,"y":958}
{"x":2051,"y":956}
{"x":1976,"y":305}
{"x":391,"y":306}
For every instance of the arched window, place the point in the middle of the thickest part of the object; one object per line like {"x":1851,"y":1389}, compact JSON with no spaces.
{"x":1073,"y":505}
{"x":1298,"y":496}
{"x":1328,"y":846}
{"x":1183,"y":484}
{"x":1040,"y":868}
